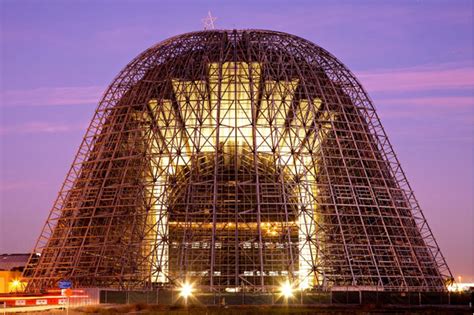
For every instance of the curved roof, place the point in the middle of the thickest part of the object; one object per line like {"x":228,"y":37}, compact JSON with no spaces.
{"x":281,"y":57}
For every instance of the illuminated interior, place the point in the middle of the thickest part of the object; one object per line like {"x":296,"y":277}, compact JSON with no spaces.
{"x":253,"y":221}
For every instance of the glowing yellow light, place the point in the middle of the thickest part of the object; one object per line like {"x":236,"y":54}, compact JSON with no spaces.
{"x":16,"y":283}
{"x":186,"y":290}
{"x":460,"y":286}
{"x":286,"y":289}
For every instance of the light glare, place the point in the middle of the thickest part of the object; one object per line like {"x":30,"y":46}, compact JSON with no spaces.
{"x":286,"y":290}
{"x":186,"y":290}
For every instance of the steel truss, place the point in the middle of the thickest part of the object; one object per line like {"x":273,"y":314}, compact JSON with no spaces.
{"x":237,"y":160}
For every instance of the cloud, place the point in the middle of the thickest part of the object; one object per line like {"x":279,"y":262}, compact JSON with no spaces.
{"x":456,"y":108}
{"x":439,"y":102}
{"x":441,"y":77}
{"x":435,"y":92}
{"x":52,"y":96}
{"x":18,"y":185}
{"x":40,"y":127}
{"x":418,"y":79}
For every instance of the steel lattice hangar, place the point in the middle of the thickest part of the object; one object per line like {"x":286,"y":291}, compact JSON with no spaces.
{"x":237,"y":160}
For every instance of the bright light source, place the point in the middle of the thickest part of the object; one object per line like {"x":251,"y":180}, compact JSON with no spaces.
{"x":286,"y":289}
{"x":15,"y":285}
{"x":460,"y":286}
{"x":186,"y":290}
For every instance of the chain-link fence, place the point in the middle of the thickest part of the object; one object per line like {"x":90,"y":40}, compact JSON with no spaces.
{"x":169,"y":297}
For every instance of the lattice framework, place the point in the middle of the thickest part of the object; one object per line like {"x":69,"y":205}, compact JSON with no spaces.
{"x":237,"y":159}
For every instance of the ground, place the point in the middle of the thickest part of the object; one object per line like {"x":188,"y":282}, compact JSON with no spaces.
{"x":261,"y":310}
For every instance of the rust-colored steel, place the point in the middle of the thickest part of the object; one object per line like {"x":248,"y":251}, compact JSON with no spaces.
{"x":237,"y":160}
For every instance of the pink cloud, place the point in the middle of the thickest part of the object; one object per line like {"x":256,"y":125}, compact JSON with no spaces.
{"x":418,"y":79}
{"x":440,"y":102}
{"x":41,"y":127}
{"x":18,"y":185}
{"x":54,"y":96}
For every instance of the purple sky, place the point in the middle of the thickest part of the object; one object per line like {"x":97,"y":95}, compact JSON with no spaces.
{"x":415,"y":58}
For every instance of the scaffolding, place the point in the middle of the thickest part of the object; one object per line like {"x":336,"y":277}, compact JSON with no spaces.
{"x":236,"y":161}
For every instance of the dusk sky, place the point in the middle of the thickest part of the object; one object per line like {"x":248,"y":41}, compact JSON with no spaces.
{"x":415,"y":59}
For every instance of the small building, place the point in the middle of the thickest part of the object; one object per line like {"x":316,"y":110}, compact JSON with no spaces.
{"x":11,"y":268}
